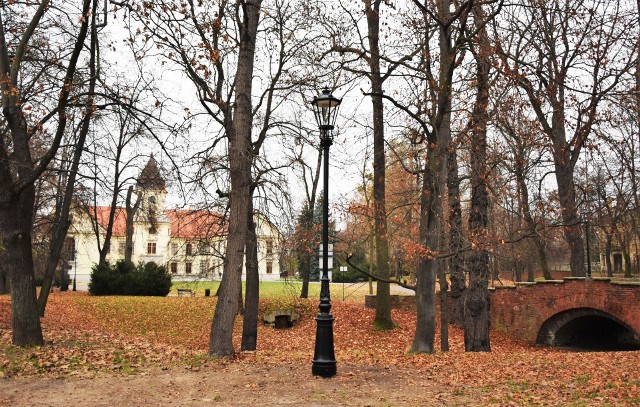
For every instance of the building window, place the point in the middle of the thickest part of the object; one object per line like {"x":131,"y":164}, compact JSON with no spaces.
{"x":187,"y":267}
{"x":153,"y":230}
{"x":174,"y":268}
{"x":151,"y":248}
{"x":174,"y":248}
{"x":152,"y":199}
{"x":70,"y":248}
{"x":121,"y":247}
{"x":269,"y":246}
{"x":204,"y":266}
{"x":269,"y":267}
{"x":203,"y":248}
{"x":189,"y":249}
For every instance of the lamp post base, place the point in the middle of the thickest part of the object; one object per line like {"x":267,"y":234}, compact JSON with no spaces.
{"x":324,"y":360}
{"x":324,"y":369}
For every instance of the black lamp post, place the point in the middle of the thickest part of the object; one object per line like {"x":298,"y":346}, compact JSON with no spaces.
{"x":325,"y":108}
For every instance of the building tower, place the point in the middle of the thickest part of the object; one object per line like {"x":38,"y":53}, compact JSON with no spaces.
{"x":153,"y":227}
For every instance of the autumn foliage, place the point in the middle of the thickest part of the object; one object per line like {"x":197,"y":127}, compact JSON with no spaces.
{"x":86,"y":334}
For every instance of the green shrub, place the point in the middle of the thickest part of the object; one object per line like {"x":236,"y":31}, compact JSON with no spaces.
{"x":125,"y":278}
{"x":349,"y":276}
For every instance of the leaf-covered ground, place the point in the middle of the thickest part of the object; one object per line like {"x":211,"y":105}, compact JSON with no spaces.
{"x":153,"y":350}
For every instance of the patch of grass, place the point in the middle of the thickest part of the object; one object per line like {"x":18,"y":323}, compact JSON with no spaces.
{"x":319,"y":396}
{"x":592,"y":394}
{"x":519,"y":387}
{"x":33,"y":359}
{"x":343,"y":394}
{"x":197,"y":360}
{"x":281,"y":289}
{"x":125,"y":363}
{"x":583,"y":379}
{"x":10,"y":363}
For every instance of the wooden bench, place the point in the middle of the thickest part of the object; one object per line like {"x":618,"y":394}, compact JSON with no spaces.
{"x":186,"y":292}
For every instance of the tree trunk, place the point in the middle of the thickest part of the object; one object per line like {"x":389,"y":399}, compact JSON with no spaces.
{"x":131,"y":210}
{"x":476,"y":318}
{"x":430,"y":202}
{"x":372,"y":259}
{"x":307,"y":257}
{"x":531,"y":277}
{"x":607,"y":254}
{"x":569,"y":211}
{"x":305,"y":272}
{"x":626,"y":257}
{"x":529,"y":222}
{"x":18,"y":176}
{"x":383,"y":296}
{"x":240,"y":160}
{"x":16,"y":220}
{"x":444,"y":307}
{"x":250,"y":322}
{"x":63,"y":220}
{"x":433,"y":184}
{"x":456,"y":263}
{"x":542,"y":257}
{"x":4,"y":278}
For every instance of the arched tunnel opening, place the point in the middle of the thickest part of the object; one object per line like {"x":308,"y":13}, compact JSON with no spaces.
{"x":588,"y":329}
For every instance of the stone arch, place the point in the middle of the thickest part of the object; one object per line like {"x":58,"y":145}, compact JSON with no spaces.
{"x":588,"y":328}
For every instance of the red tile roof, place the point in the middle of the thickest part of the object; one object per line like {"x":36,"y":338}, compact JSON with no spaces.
{"x":119,"y":219}
{"x":195,"y":224}
{"x":188,"y":224}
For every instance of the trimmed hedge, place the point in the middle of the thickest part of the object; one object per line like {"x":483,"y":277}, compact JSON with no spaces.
{"x":125,"y":278}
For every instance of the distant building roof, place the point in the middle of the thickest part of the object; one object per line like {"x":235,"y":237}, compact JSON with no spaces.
{"x":188,"y":224}
{"x":119,"y":219}
{"x":195,"y":224}
{"x":150,"y":177}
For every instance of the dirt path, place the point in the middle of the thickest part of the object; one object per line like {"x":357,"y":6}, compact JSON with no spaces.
{"x":231,"y":385}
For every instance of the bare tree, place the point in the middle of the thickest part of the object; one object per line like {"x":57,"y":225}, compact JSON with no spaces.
{"x":526,"y":150}
{"x":61,"y":214}
{"x":20,"y":163}
{"x":370,"y":52}
{"x":566,"y":57}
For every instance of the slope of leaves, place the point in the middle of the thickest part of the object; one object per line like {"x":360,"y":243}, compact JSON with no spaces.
{"x":126,"y":334}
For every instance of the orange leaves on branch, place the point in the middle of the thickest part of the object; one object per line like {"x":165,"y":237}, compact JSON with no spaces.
{"x":417,"y":251}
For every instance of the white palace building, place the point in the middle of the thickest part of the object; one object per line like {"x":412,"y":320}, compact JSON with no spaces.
{"x":191,"y":243}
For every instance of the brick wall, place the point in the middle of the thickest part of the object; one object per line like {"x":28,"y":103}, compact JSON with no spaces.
{"x":521,"y":310}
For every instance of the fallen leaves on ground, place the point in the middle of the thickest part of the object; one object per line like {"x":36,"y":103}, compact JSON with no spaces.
{"x":88,"y":334}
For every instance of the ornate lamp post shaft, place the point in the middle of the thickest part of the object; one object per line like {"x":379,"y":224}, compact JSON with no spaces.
{"x":324,"y":360}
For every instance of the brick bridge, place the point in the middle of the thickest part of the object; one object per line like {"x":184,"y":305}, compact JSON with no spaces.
{"x":570,"y":312}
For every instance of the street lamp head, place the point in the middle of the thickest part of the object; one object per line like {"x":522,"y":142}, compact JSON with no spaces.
{"x":325,"y":108}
